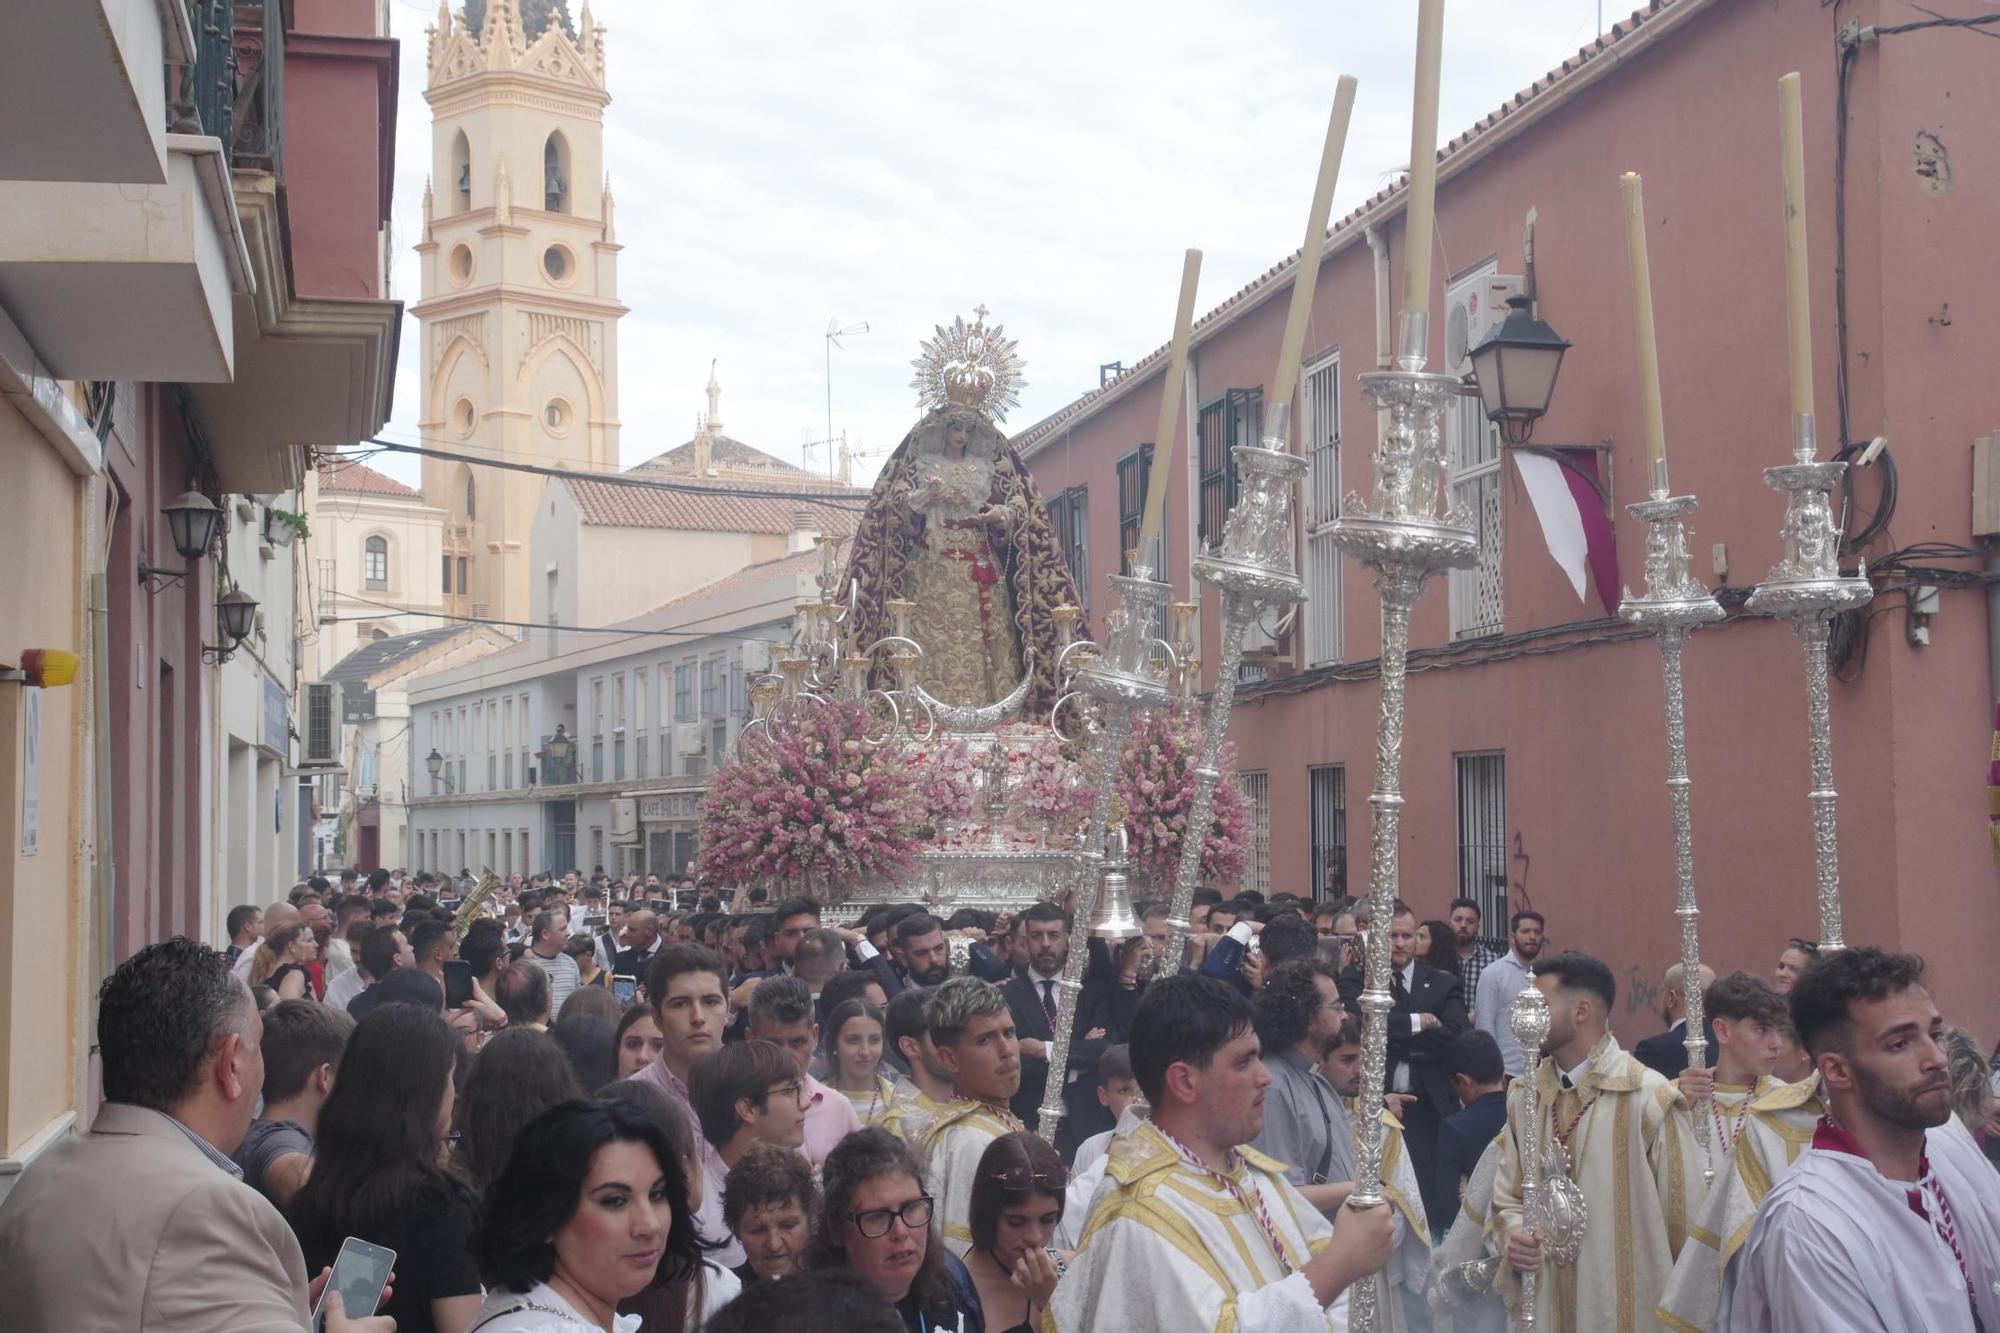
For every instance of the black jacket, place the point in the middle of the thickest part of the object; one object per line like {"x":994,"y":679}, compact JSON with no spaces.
{"x":1434,"y":991}
{"x":1666,"y":1052}
{"x":1462,"y":1139}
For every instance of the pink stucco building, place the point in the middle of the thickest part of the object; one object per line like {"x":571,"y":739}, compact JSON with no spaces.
{"x":1535,"y":755}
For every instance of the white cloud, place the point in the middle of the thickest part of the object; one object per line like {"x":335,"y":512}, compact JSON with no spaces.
{"x":775,"y":165}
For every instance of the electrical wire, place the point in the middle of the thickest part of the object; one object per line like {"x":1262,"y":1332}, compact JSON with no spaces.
{"x":854,"y":498}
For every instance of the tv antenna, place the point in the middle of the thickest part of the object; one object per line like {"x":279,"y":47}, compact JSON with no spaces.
{"x":835,"y":331}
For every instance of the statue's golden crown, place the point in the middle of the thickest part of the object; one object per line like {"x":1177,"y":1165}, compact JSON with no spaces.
{"x":969,"y":367}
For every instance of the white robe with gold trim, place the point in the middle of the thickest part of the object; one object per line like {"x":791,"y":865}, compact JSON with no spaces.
{"x":1641,"y":1181}
{"x":1467,"y":1243}
{"x":1778,"y":1125}
{"x":951,"y":1146}
{"x":1169,"y":1249}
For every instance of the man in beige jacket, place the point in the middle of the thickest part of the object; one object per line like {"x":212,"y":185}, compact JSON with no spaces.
{"x":143,"y":1223}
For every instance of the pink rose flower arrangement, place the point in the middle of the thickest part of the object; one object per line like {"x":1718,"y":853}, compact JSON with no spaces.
{"x":1156,"y":781}
{"x":816,"y":800}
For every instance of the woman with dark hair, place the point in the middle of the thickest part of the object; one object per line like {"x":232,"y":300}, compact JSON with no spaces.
{"x":1017,"y":1203}
{"x":851,"y":1040}
{"x":518,"y":1075}
{"x":1437,"y":946}
{"x":1793,"y":959}
{"x":638,"y":1040}
{"x":686,"y":1304}
{"x":378,"y":1169}
{"x":589,"y":1042}
{"x":590,"y":1210}
{"x":767,"y":1202}
{"x":876,"y":1220}
{"x":281,"y":962}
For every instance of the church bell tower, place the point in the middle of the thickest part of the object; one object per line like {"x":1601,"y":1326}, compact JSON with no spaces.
{"x":519,"y":309}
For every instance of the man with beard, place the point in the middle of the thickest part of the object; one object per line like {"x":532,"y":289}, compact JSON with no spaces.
{"x":973,"y":1031}
{"x":1193,"y":1227}
{"x":1607,"y":1128}
{"x":1408,"y":1271}
{"x":1890,"y":1219}
{"x":1033,"y":994}
{"x":1473,"y":953}
{"x":1501,"y":980}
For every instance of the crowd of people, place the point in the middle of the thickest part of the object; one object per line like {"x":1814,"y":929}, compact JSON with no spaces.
{"x":581,"y":1104}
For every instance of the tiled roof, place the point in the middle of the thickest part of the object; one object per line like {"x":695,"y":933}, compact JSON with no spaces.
{"x":726,"y":452}
{"x":707,"y":507}
{"x":351,"y":478}
{"x":1591,"y":58}
{"x":370,"y":658}
{"x":784,"y":569}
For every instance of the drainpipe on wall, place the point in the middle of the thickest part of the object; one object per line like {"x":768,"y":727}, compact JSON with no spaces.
{"x":1993,"y":618}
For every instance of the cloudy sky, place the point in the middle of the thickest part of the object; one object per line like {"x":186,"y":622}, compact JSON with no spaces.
{"x":779,"y":165}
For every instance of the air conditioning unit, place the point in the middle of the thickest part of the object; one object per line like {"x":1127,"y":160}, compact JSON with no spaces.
{"x":690,"y":737}
{"x":366,"y":793}
{"x":624,"y":820}
{"x":320,"y":744}
{"x":1472,"y":310}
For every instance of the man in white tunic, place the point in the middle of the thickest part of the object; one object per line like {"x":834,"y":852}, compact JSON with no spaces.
{"x":1607,"y":1136}
{"x":973,"y":1031}
{"x":1192,"y":1228}
{"x":1890,"y":1220}
{"x":1756,"y":1126}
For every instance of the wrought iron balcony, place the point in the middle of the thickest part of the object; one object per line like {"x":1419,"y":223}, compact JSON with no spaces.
{"x":235,"y":89}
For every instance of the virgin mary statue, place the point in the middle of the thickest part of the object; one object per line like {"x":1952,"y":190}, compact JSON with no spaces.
{"x":955,"y":526}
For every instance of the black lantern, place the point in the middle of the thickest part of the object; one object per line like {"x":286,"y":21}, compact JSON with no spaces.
{"x":193,"y":519}
{"x":434,"y":762}
{"x":559,"y":745}
{"x":235,"y":616}
{"x":1516,"y":368}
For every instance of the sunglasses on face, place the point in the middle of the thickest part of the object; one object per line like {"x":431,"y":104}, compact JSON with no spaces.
{"x":1803,"y":946}
{"x":1021,"y":1178}
{"x":876,"y":1222}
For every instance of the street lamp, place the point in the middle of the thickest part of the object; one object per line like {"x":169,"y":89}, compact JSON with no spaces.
{"x":235,"y":616}
{"x":559,"y":745}
{"x":435,"y":763}
{"x":1516,"y":368}
{"x":191,"y":522}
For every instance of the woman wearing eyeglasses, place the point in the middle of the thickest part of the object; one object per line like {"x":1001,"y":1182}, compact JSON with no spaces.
{"x":1017,"y":1203}
{"x":876,"y":1223}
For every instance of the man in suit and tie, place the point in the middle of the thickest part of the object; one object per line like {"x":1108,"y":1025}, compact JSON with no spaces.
{"x":1429,"y":1013}
{"x":642,"y":941}
{"x":1666,"y":1052}
{"x":144,"y":1222}
{"x":1033,"y":995}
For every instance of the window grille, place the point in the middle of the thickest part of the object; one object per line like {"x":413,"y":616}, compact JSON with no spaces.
{"x":1482,"y":832}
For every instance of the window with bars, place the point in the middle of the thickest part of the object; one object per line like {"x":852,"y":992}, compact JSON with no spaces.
{"x":1326,"y":789}
{"x":1257,"y":865}
{"x":1135,"y":471}
{"x":1320,"y":397}
{"x":1482,"y":832}
{"x":1066,"y":515}
{"x":1233,"y":417}
{"x":1476,"y":604}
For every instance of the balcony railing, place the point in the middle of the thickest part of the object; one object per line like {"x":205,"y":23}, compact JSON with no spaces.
{"x":235,"y":90}
{"x":558,"y":772}
{"x":258,"y":140}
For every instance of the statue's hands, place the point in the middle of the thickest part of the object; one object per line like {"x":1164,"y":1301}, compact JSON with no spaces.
{"x":997,"y":517}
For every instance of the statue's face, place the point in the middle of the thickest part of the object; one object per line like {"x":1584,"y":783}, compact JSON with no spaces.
{"x":957,"y":436}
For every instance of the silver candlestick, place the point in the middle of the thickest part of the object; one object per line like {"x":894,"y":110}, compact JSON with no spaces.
{"x":1118,"y":680}
{"x":1528,"y":1018}
{"x":1401,"y":536}
{"x":1674,"y":606}
{"x":1807,"y":588}
{"x":1253,"y":571}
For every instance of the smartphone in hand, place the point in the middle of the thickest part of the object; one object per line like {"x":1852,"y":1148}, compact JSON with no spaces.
{"x":360,"y":1273}
{"x":625,"y":989}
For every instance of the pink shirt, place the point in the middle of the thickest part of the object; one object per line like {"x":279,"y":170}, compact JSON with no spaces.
{"x":830,"y":1118}
{"x":667,"y":1081}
